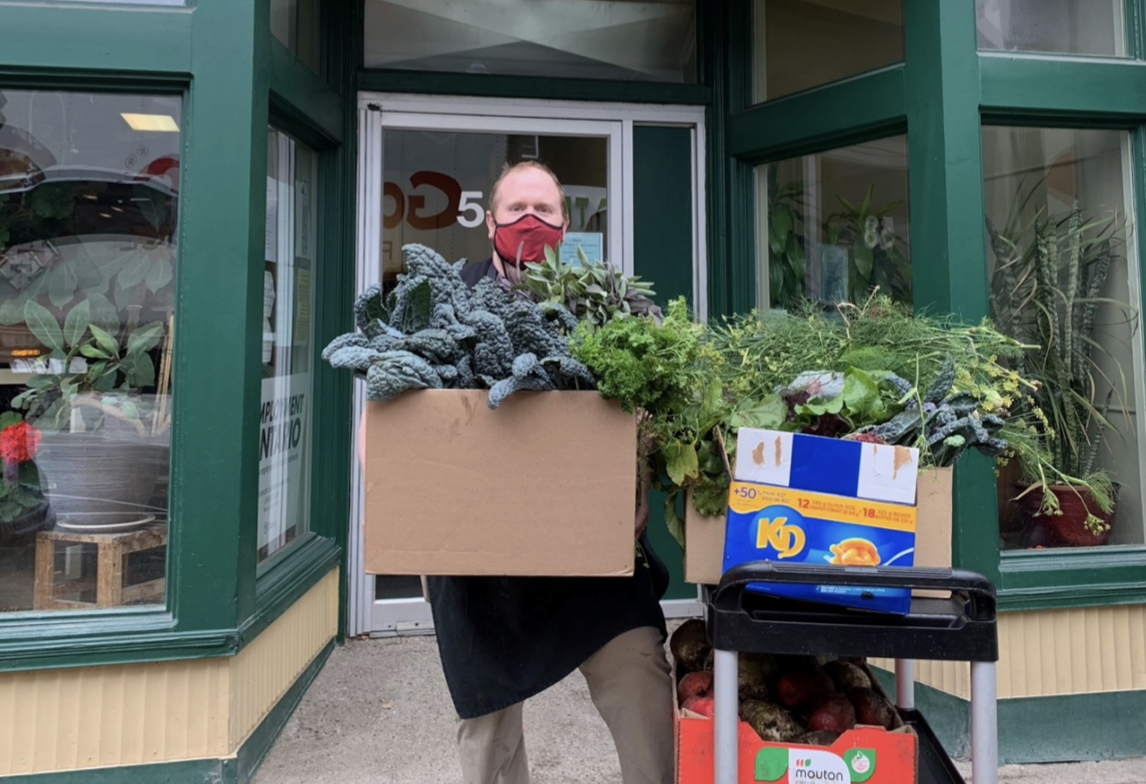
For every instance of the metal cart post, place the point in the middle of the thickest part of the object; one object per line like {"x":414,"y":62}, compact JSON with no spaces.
{"x":959,"y":628}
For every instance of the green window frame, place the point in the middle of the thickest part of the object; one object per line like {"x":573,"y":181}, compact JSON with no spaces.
{"x":940,"y":95}
{"x":216,"y":599}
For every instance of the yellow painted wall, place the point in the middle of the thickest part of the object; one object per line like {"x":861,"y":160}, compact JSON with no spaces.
{"x":56,"y":720}
{"x":1055,"y":652}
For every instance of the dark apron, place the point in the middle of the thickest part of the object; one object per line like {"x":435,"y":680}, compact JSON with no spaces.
{"x":505,"y":639}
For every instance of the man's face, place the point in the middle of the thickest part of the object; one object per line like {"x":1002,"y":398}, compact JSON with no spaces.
{"x":528,"y":191}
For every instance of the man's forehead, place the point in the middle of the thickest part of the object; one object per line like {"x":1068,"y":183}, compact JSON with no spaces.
{"x":530,"y":181}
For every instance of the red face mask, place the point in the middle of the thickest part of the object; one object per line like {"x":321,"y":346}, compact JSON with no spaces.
{"x":525,"y":239}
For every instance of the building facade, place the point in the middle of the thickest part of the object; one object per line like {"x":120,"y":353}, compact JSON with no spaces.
{"x":192,"y":192}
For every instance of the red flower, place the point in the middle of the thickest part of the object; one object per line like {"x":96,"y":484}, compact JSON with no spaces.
{"x":18,"y":443}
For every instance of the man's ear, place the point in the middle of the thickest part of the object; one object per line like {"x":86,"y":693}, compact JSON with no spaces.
{"x":491,"y":225}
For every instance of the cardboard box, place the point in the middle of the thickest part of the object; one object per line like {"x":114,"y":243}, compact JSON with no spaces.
{"x":865,"y":754}
{"x":544,"y":486}
{"x":704,"y":535}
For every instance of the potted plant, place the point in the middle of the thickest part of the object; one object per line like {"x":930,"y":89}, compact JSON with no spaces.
{"x":1046,"y":290}
{"x":23,"y":509}
{"x":104,"y":443}
{"x":875,"y":259}
{"x":786,"y":251}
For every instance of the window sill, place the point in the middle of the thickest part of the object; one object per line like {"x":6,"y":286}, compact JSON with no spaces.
{"x":1077,"y":577}
{"x":74,"y":639}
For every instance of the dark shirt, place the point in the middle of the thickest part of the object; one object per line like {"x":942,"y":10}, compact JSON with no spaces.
{"x":505,"y":639}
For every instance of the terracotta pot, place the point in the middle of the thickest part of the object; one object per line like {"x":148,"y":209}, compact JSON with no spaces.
{"x":1067,"y":529}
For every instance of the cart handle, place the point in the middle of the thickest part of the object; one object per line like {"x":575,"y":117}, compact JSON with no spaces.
{"x":977,"y":588}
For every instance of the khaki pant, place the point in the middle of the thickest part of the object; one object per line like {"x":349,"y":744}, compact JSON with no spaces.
{"x":630,"y":685}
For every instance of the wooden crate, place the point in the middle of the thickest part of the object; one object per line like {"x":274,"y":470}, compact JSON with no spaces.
{"x":112,"y":550}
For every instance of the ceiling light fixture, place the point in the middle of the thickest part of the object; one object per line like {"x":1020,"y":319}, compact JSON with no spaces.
{"x":162,"y":123}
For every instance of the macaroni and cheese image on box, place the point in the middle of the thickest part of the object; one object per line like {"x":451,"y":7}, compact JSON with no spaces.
{"x":808,"y":499}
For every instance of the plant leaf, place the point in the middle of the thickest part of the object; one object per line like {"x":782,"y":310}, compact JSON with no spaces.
{"x":681,"y":462}
{"x":9,"y":418}
{"x":103,"y":313}
{"x":134,"y":271}
{"x":76,"y":324}
{"x":43,"y":325}
{"x":145,"y":338}
{"x":62,"y":284}
{"x":105,"y":340}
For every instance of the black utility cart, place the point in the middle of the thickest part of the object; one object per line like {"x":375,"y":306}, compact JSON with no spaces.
{"x":958,"y":628}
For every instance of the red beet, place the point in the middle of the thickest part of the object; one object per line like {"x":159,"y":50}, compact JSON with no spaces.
{"x":695,"y":684}
{"x":834,"y":714}
{"x":701,"y":705}
{"x":803,"y":687}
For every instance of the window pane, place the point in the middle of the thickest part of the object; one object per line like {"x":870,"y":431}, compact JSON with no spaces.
{"x":288,"y":337}
{"x":437,"y":185}
{"x":1066,"y":280}
{"x":588,"y":39}
{"x":800,"y":44}
{"x":88,"y":207}
{"x":833,"y":226}
{"x":295,"y":23}
{"x":1065,"y":26}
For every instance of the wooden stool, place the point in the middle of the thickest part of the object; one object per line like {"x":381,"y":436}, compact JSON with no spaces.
{"x":112,"y":550}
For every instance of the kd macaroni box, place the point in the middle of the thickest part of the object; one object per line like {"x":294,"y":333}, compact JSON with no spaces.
{"x":807,"y":499}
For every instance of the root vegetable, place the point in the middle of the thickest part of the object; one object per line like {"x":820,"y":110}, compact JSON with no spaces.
{"x":817,"y":738}
{"x":695,"y":684}
{"x":833,"y":714}
{"x":689,"y":644}
{"x":847,"y":676}
{"x":803,"y":687}
{"x":701,"y":705}
{"x":872,"y":708}
{"x":753,"y":676}
{"x":771,"y":722}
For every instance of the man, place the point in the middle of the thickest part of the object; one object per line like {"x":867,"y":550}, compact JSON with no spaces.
{"x":503,"y":640}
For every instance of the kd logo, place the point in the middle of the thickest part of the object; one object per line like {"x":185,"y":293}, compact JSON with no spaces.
{"x":787,"y":540}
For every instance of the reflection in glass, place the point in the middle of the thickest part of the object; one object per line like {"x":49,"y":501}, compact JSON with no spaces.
{"x":88,"y":208}
{"x":800,"y":44}
{"x":1096,"y":27}
{"x":833,"y":226}
{"x":587,"y":39}
{"x":296,"y":24}
{"x":436,"y":190}
{"x":285,"y":407}
{"x":1064,"y":278}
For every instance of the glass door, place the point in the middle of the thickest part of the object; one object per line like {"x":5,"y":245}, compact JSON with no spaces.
{"x":425,"y":173}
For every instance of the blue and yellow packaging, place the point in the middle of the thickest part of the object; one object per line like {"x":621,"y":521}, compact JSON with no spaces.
{"x":798,"y":522}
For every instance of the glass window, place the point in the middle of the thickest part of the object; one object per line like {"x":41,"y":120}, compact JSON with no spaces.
{"x":800,"y":44}
{"x":1096,"y":27}
{"x":589,"y":39}
{"x":833,"y":226}
{"x":436,"y":191}
{"x":89,"y":188}
{"x":295,"y":23}
{"x":1064,"y":278}
{"x":285,"y":409}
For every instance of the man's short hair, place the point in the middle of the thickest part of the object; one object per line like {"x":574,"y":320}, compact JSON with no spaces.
{"x":508,"y":169}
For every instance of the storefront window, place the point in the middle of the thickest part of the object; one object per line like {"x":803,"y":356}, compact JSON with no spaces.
{"x":436,"y":191}
{"x":588,"y":39}
{"x":89,"y":188}
{"x":800,"y":44}
{"x":296,"y":24}
{"x":1096,"y":27}
{"x":1064,"y":278}
{"x":833,"y":227}
{"x":285,"y":409}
